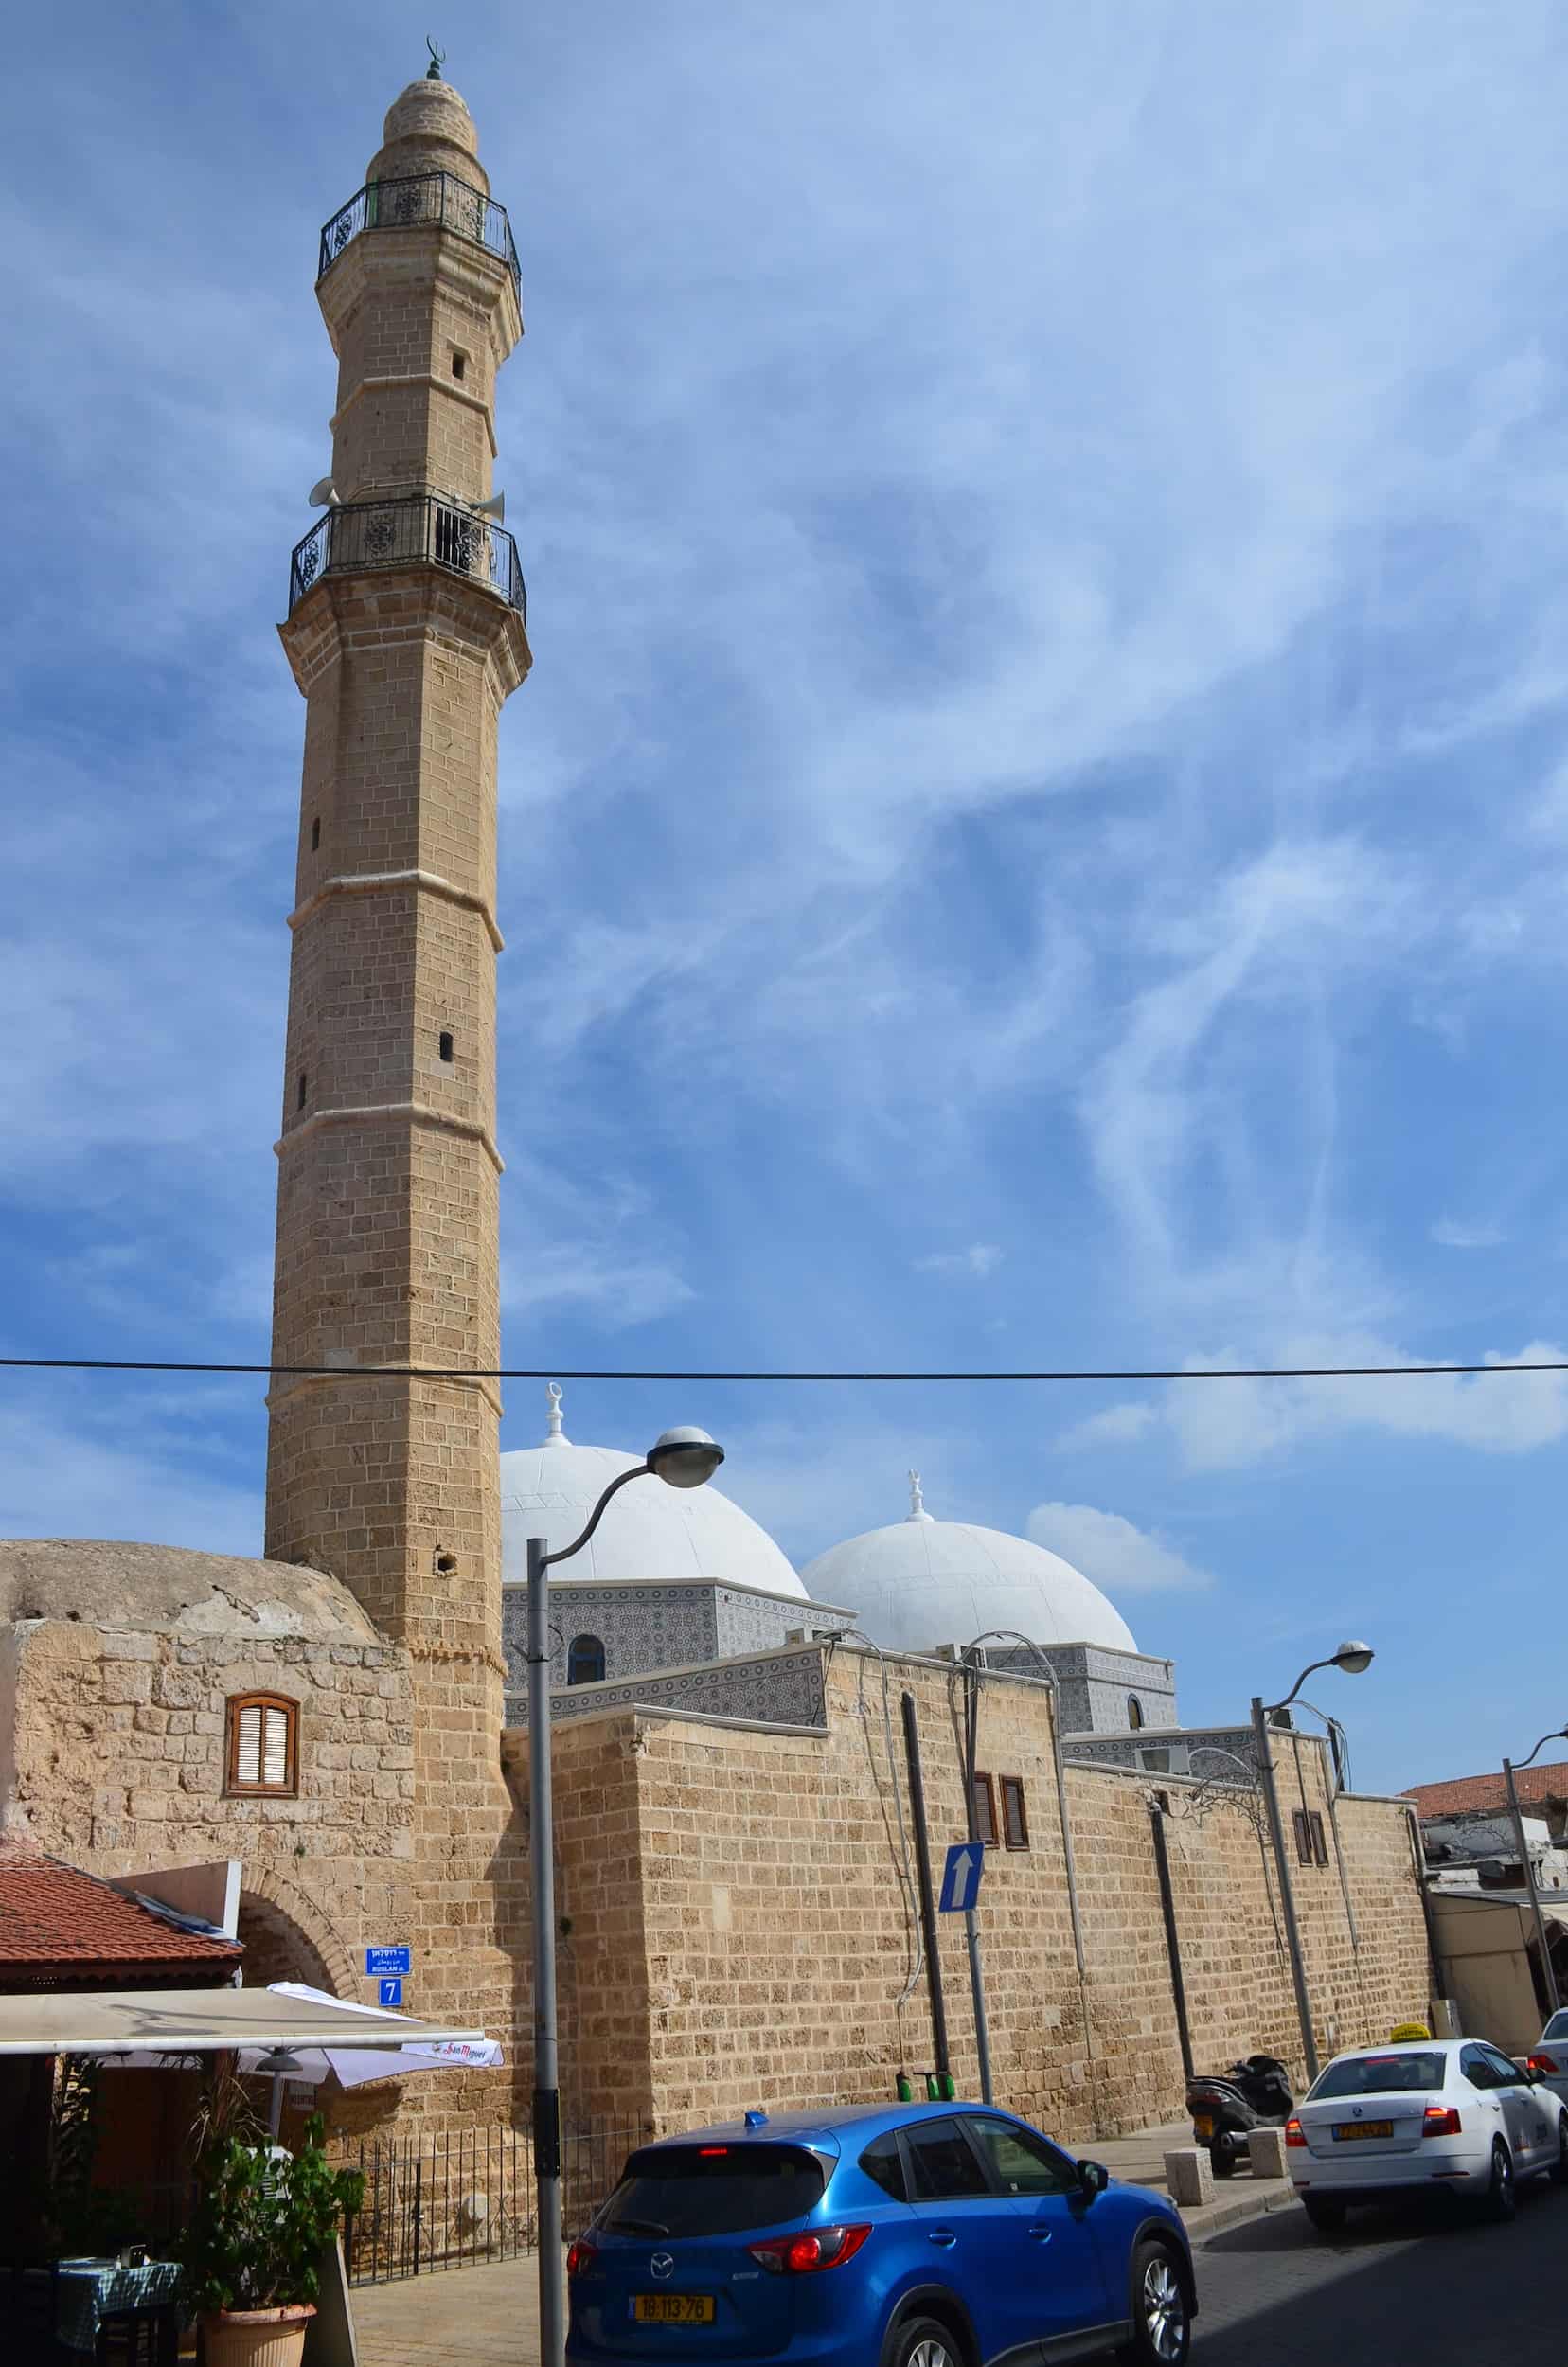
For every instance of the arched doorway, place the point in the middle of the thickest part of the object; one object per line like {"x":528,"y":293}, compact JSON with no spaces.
{"x":276,"y":1948}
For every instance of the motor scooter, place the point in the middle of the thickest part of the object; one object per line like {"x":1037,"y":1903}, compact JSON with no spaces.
{"x":1227,"y":2106}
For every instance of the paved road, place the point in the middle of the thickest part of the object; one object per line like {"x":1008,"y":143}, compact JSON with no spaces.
{"x":1443,"y":2290}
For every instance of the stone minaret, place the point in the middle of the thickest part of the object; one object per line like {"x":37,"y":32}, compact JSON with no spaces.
{"x":405,"y":634}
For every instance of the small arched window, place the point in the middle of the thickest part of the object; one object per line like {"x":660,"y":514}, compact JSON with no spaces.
{"x":585,"y":1660}
{"x":263,"y":1744}
{"x":1134,"y":1711}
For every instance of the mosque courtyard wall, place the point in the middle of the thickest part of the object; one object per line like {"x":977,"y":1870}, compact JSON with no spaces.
{"x":736,"y":1931}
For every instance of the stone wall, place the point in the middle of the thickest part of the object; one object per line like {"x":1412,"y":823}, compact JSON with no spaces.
{"x":117,"y":1741}
{"x":755,"y":1944}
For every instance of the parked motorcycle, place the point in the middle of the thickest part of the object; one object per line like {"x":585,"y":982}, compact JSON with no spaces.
{"x":1227,"y":2106}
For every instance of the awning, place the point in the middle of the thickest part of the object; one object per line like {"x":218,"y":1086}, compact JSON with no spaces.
{"x":203,"y":2021}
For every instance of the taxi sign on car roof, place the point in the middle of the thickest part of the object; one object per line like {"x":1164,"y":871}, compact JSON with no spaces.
{"x":1408,"y":2030}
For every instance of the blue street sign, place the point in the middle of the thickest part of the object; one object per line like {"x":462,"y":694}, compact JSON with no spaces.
{"x":391,"y":1989}
{"x":966,"y":1862}
{"x":380,"y":1960}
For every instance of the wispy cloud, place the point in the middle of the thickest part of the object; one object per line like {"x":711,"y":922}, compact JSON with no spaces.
{"x":1110,"y":1549}
{"x":1225,"y":1424}
{"x":975,"y":1263}
{"x":1448,"y":1234}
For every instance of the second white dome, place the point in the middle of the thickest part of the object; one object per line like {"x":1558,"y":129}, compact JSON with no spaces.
{"x":921,"y":1582}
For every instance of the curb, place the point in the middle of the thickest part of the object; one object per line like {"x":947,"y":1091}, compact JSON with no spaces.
{"x":1214,"y":2218}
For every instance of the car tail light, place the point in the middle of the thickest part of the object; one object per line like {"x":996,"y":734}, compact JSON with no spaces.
{"x":581,"y":2256}
{"x":803,"y":2255}
{"x":1293,"y":2133}
{"x":1546,"y":2063}
{"x":1440,"y":2121}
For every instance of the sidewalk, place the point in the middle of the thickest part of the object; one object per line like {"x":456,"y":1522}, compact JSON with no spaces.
{"x":489,"y":2316}
{"x":1139,"y":2161}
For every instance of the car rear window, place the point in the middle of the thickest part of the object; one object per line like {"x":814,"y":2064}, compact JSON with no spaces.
{"x":1556,"y":2027}
{"x":713,"y":2190}
{"x":1380,"y":2076}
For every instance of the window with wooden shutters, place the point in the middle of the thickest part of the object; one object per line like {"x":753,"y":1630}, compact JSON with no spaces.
{"x":263,"y":1730}
{"x":1015,"y":1822}
{"x":983,"y":1793}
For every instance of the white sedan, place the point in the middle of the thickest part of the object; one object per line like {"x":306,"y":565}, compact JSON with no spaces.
{"x":1550,"y":2059}
{"x":1451,"y":2115}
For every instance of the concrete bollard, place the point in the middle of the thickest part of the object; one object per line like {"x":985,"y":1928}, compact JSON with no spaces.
{"x":1189,"y":2175}
{"x":1266,"y":2149}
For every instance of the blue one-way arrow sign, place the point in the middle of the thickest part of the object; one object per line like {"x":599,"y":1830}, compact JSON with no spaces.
{"x":966,"y":1862}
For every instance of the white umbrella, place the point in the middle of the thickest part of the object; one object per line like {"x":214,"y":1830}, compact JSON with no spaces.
{"x":355,"y":2067}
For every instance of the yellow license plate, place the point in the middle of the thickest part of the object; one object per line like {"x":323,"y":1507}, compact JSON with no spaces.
{"x":1364,"y":2128}
{"x":1203,"y":2126}
{"x":672,"y":2309}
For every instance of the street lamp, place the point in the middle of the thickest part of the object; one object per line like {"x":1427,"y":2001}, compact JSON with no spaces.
{"x":1354,"y":1658}
{"x":1559,"y":1733}
{"x":682,"y":1458}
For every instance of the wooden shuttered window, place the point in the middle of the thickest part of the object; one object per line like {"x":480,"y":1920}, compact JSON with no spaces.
{"x":1015,"y":1821}
{"x":263,"y":1744}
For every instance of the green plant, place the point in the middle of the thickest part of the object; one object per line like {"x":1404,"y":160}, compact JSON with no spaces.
{"x":263,"y":2218}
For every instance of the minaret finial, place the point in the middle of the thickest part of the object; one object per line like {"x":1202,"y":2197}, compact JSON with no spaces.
{"x":555,"y":1437}
{"x":916,"y":1502}
{"x":437,"y":59}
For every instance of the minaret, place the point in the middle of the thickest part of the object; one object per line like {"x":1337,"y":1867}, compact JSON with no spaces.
{"x":406,"y":633}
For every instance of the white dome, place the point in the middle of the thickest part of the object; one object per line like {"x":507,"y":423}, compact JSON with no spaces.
{"x":922,"y":1582}
{"x":650,"y":1530}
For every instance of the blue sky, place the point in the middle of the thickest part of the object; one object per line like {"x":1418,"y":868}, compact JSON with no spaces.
{"x":1038,"y":833}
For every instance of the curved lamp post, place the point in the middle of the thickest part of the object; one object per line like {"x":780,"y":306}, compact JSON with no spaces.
{"x":1559,"y":1733}
{"x":682,"y":1458}
{"x":1353,"y":1657}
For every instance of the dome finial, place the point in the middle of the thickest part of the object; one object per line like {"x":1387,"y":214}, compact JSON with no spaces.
{"x":916,"y":1502}
{"x":437,"y":59}
{"x":555,"y":1436}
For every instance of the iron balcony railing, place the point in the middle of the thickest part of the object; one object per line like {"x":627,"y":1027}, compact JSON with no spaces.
{"x":361,"y":535}
{"x":417,"y":203}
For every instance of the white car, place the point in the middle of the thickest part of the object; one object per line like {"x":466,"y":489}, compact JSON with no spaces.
{"x":1440,"y":2115}
{"x":1549,"y":2060}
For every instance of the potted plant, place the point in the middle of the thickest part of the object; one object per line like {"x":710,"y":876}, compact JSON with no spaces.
{"x":252,"y":2250}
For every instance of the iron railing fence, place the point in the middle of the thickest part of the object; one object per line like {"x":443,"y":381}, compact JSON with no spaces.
{"x":422,"y":201}
{"x":449,"y":2201}
{"x":361,"y":535}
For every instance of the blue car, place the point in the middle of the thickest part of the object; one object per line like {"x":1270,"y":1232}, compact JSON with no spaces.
{"x":903,"y":2236}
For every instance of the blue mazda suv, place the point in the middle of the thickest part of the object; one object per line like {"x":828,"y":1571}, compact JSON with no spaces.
{"x":931,"y":2235}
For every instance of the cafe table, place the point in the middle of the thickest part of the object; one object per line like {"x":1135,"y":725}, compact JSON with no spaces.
{"x":93,"y":2292}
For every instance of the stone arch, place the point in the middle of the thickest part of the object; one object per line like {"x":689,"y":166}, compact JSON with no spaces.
{"x":287,"y":1938}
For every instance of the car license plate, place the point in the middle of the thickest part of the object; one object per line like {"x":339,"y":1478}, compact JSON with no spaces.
{"x":1203,"y":2126}
{"x":1364,"y":2128}
{"x":672,"y":2309}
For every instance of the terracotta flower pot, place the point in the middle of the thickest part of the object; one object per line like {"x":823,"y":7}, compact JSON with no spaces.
{"x":256,"y":2337}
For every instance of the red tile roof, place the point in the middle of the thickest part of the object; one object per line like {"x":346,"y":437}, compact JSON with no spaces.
{"x":57,"y":1922}
{"x":1487,"y":1792}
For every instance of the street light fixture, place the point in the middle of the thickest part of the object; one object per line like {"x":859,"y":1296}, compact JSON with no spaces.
{"x":682,"y":1458}
{"x":1559,"y":1733}
{"x":1354,"y":1658}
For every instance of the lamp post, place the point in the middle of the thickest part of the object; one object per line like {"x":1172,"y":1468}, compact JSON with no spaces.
{"x":1557,"y":1733}
{"x":682,"y":1458}
{"x":1353,"y":1657}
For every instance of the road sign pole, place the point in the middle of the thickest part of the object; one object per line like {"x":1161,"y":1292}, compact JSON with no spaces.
{"x":928,"y":1901}
{"x":977,"y":1990}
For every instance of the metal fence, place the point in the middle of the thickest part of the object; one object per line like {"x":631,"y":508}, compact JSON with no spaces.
{"x":447,"y":2201}
{"x":418,"y":202}
{"x":356,"y":536}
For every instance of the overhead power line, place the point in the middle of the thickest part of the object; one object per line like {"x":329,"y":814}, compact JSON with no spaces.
{"x":566,"y":1372}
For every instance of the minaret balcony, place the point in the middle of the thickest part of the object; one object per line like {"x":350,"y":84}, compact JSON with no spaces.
{"x":424,"y":201}
{"x":356,"y":537}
